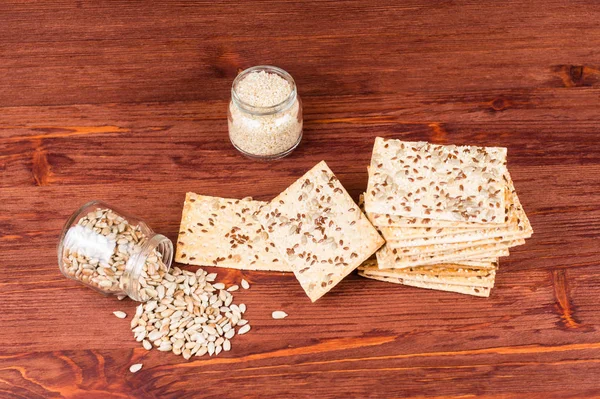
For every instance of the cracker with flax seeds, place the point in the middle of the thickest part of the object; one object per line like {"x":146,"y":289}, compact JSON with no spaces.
{"x":441,"y":182}
{"x":517,"y":226}
{"x":440,"y":274}
{"x":452,"y":268}
{"x":460,"y":289}
{"x":319,"y":230}
{"x":225,"y":232}
{"x":389,"y":258}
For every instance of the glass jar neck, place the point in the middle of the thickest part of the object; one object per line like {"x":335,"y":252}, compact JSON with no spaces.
{"x":269,"y":110}
{"x":157,"y":244}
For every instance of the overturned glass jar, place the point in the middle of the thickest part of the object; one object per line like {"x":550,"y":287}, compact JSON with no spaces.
{"x":113,"y":252}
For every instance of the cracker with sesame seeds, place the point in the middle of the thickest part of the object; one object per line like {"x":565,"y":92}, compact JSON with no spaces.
{"x":460,"y":289}
{"x":319,"y":230}
{"x":226,"y":233}
{"x":441,"y":182}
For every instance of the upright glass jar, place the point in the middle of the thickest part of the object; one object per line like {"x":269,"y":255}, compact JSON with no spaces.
{"x":265,"y":113}
{"x":113,"y":253}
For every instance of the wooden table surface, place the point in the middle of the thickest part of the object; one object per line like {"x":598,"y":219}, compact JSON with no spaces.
{"x":125,"y":101}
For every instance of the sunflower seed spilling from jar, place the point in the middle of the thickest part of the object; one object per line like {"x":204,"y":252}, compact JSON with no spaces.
{"x":192,"y":319}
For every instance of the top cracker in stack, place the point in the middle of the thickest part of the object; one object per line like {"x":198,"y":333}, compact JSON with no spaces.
{"x":429,"y":181}
{"x":319,"y":230}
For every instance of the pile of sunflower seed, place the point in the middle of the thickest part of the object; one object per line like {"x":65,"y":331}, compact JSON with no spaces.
{"x":189,"y":315}
{"x":97,"y":249}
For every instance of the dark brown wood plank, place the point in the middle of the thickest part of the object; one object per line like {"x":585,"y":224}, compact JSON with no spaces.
{"x":121,"y":52}
{"x":523,"y":302}
{"x":516,"y":331}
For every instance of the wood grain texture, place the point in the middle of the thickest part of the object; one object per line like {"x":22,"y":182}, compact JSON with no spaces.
{"x":125,"y":101}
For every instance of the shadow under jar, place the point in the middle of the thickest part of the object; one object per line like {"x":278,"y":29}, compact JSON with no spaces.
{"x":265,"y":113}
{"x":113,"y":253}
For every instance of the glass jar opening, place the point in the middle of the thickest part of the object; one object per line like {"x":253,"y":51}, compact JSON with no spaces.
{"x":137,"y":268}
{"x":261,"y":110}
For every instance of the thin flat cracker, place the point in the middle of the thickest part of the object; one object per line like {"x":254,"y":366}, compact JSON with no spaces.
{"x":400,"y":248}
{"x":442,"y":182}
{"x":456,"y":269}
{"x":460,"y":289}
{"x":517,"y":226}
{"x":421,"y":227}
{"x":440,"y":275}
{"x":472,"y":236}
{"x":387,"y":220}
{"x":468,"y":258}
{"x":225,"y":232}
{"x":406,"y":233}
{"x":319,"y":230}
{"x":415,"y":227}
{"x":388,"y":260}
{"x":491,"y":262}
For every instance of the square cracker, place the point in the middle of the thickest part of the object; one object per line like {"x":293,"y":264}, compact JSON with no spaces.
{"x":226,"y":233}
{"x":387,"y":220}
{"x":429,"y":249}
{"x":388,"y":260}
{"x":442,"y":182}
{"x":441,"y":274}
{"x":451,"y":268}
{"x":517,"y":226}
{"x":319,"y":230}
{"x":460,"y":289}
{"x":416,"y":227}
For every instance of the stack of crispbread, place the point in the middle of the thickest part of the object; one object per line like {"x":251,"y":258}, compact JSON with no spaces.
{"x":447,"y":213}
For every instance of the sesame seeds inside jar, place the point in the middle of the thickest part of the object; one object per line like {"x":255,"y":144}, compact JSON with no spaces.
{"x":265,"y":113}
